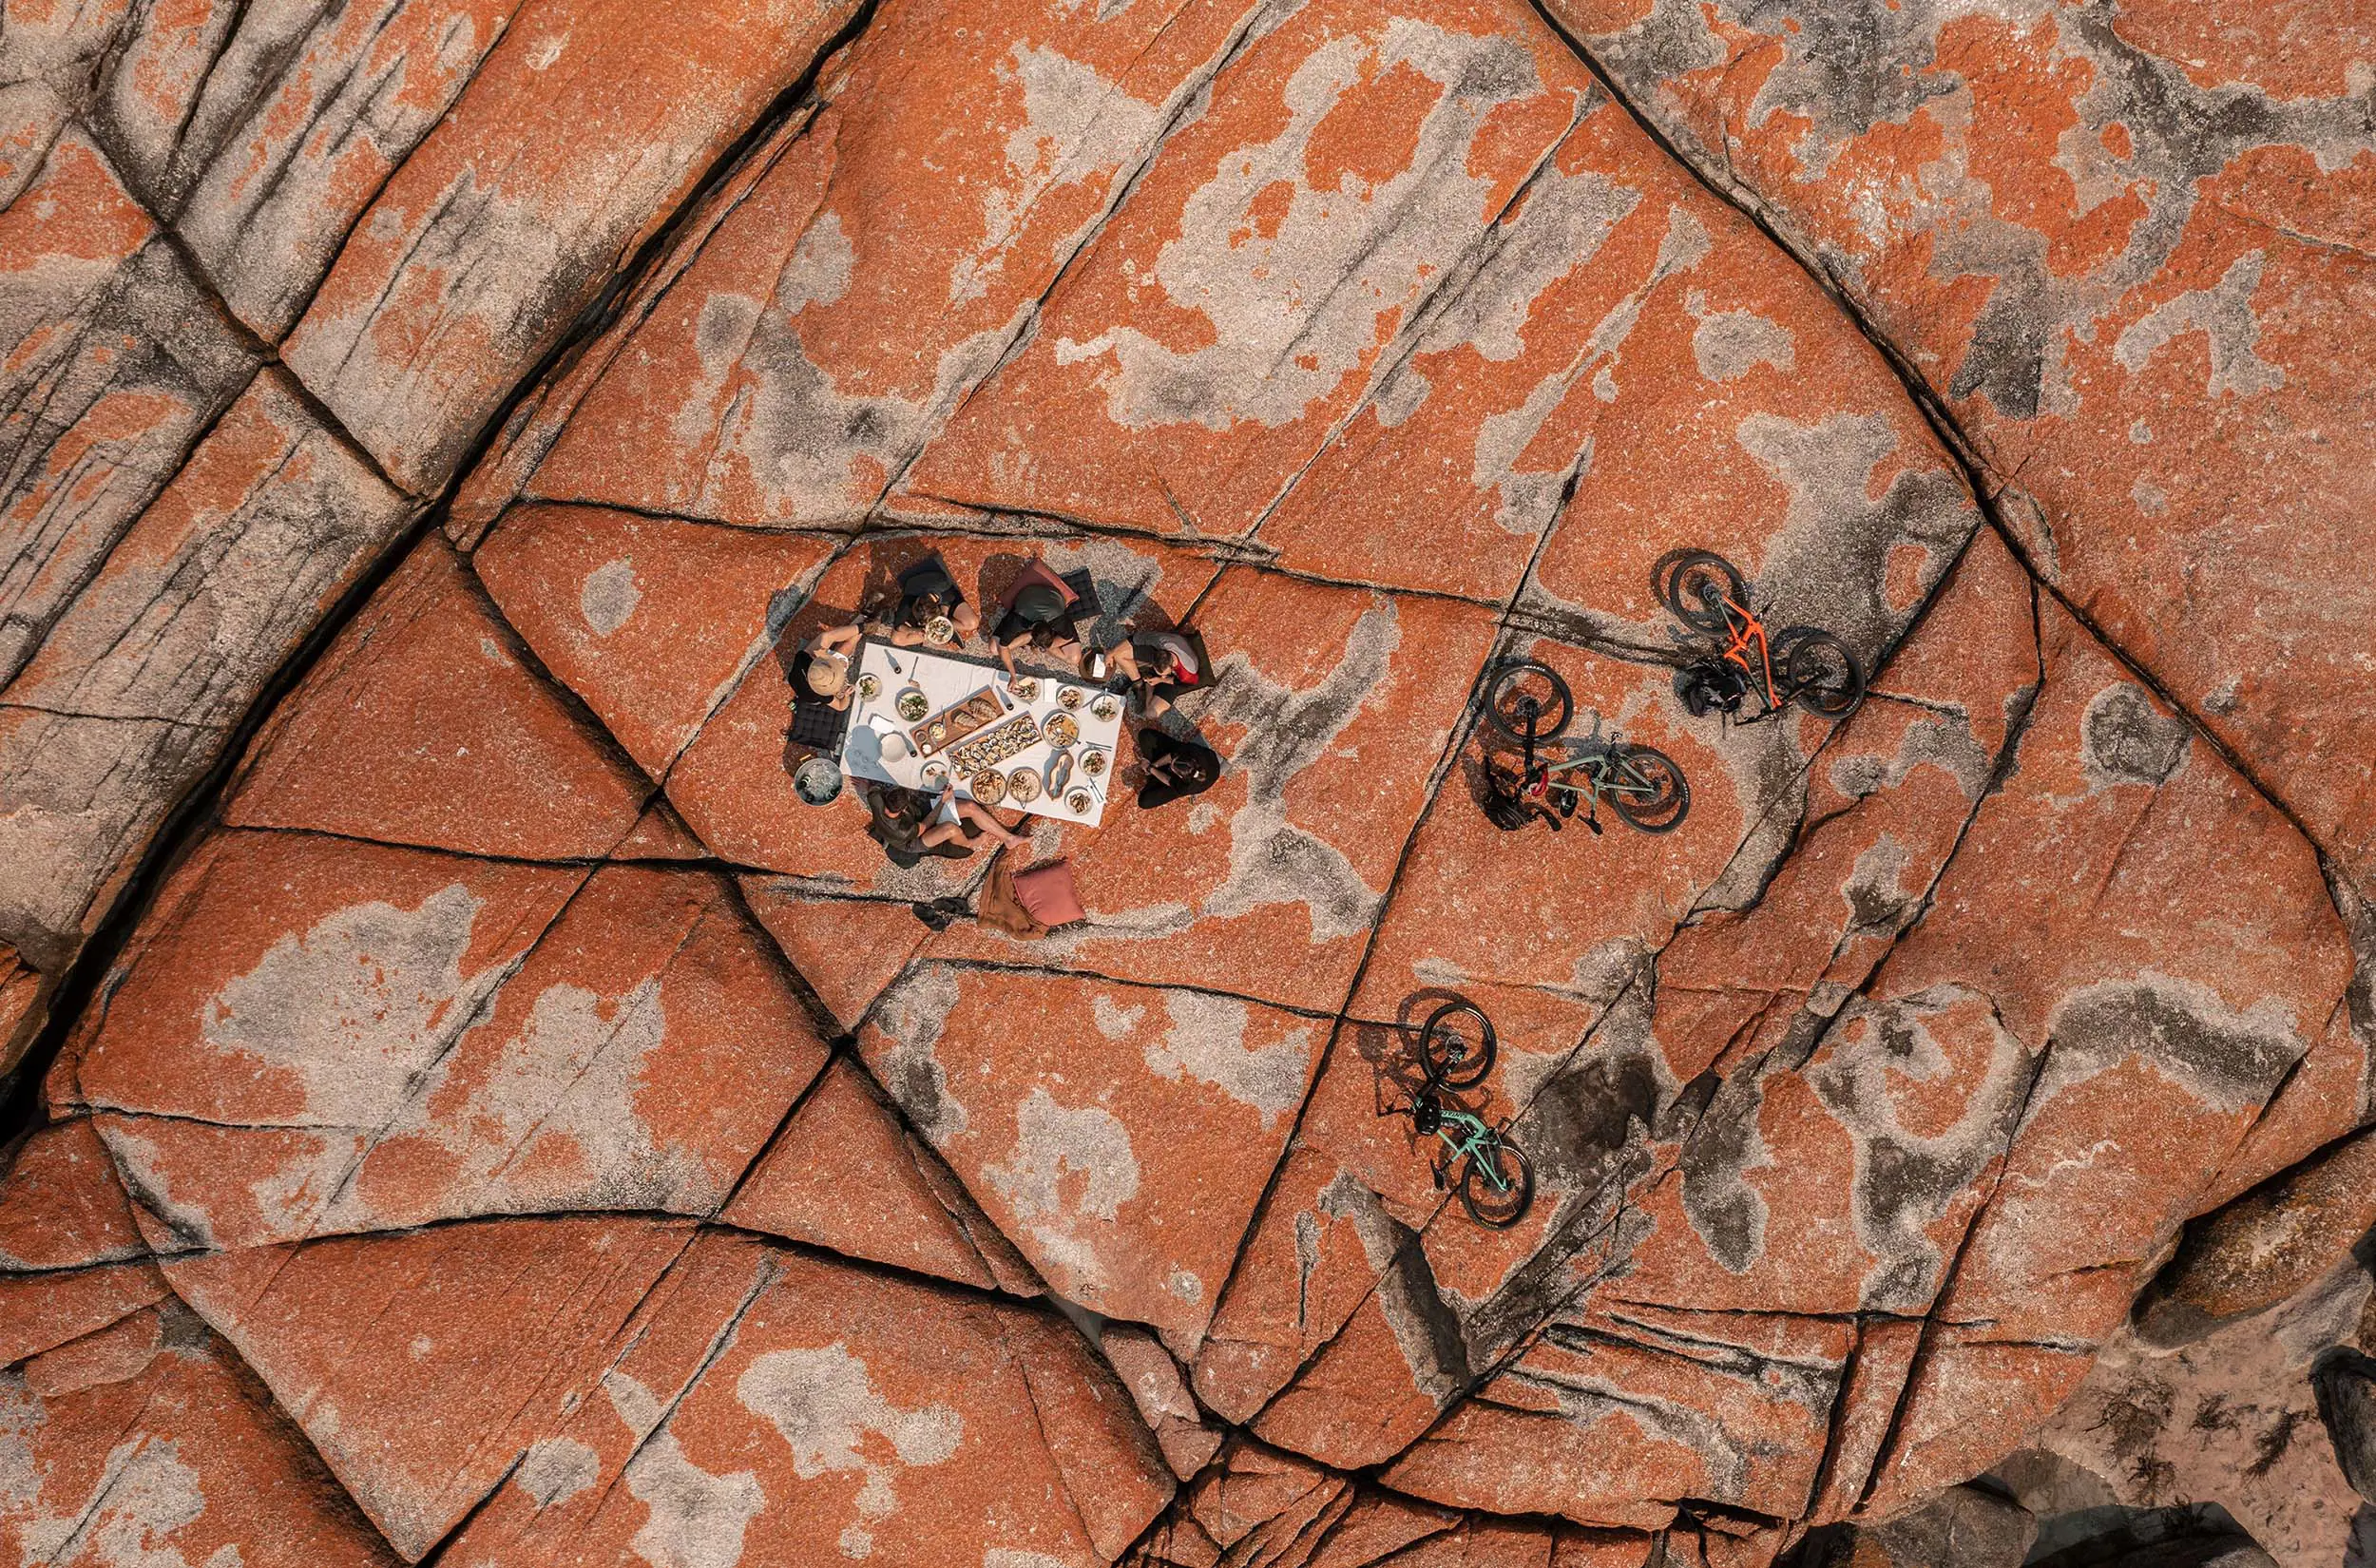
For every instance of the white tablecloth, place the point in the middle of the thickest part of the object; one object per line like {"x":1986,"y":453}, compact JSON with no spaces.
{"x":949,"y":678}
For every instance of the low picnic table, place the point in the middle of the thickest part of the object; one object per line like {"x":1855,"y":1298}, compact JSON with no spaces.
{"x":878,"y":744}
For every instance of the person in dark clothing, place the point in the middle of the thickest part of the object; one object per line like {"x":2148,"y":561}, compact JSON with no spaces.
{"x":1176,"y":769}
{"x":1162,"y":666}
{"x":903,"y":822}
{"x":1041,"y":611}
{"x":926,"y":593}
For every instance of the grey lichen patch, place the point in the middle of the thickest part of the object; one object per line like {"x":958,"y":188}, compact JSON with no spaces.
{"x":2183,"y":1031}
{"x":823,"y":1403}
{"x":1725,"y":1212}
{"x":1295,"y":306}
{"x":1561,"y":224}
{"x":788,"y":429}
{"x":1879,"y":902}
{"x":566,"y":1082}
{"x":2126,"y":737}
{"x":911,"y":1016}
{"x":1906,"y":1182}
{"x":1076,"y":127}
{"x":137,"y":1500}
{"x":557,"y":1469}
{"x":1941,"y":740}
{"x":1728,"y":345}
{"x":352,"y":1010}
{"x":1827,"y":565}
{"x":1063,"y":1220}
{"x":1207,"y":1041}
{"x":608,"y":596}
{"x":696,"y":1519}
{"x":1849,"y":65}
{"x":2223,"y":314}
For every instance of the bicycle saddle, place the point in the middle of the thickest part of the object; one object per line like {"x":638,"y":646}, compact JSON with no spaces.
{"x":1426,"y":1115}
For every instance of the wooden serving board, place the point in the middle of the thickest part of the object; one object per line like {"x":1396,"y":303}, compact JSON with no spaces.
{"x":957,"y":721}
{"x":1018,"y":734}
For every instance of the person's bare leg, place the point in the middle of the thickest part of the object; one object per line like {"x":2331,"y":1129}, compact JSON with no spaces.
{"x":973,"y":812}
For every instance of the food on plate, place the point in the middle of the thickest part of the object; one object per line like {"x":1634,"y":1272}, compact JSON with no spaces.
{"x":1023,"y":786}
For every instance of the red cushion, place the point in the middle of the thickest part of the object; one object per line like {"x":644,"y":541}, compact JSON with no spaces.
{"x":1048,"y":892}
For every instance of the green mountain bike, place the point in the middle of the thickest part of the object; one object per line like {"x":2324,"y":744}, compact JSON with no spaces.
{"x":1528,"y":703}
{"x":1496,"y":1180}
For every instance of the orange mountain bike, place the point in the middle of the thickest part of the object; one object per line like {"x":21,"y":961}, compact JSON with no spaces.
{"x":1749,"y":677}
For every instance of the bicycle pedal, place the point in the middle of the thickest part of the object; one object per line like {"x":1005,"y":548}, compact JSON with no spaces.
{"x":1594,"y":825}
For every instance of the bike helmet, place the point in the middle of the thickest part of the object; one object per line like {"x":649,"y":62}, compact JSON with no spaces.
{"x":1704,"y":689}
{"x":1426,"y":1115}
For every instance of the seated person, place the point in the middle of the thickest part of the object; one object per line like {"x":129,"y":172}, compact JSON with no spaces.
{"x":1176,"y":769}
{"x":1039,"y":611}
{"x":903,"y":822}
{"x":1162,"y":666}
{"x":927,"y":592}
{"x":821,"y":670}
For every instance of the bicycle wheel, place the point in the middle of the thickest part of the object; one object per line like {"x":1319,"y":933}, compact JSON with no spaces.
{"x":1694,"y":584}
{"x":1648,"y":789}
{"x":1456,"y":1045}
{"x":1529,"y":702}
{"x":1823,"y":677}
{"x":1497,"y":1184}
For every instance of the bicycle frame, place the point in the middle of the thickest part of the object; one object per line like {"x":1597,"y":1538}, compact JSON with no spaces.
{"x":1744,"y":632}
{"x":1596,"y":760}
{"x":1476,"y":1138}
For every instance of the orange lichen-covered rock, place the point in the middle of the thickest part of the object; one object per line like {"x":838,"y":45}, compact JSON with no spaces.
{"x":425,"y":725}
{"x":780,"y":1409}
{"x":175,"y":1454}
{"x":457,"y":1044}
{"x":844,"y":1140}
{"x":649,"y":620}
{"x":60,"y":1206}
{"x":2122,"y":245}
{"x":1350,"y":161}
{"x":884,"y":261}
{"x":265,"y":134}
{"x":1627,"y":367}
{"x":588,"y":121}
{"x":487,"y":1336}
{"x":1118,"y":1135}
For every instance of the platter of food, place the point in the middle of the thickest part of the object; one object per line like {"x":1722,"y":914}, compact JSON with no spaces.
{"x":996,"y":744}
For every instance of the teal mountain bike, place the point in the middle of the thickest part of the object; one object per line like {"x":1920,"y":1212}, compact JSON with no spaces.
{"x":1494,"y":1177}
